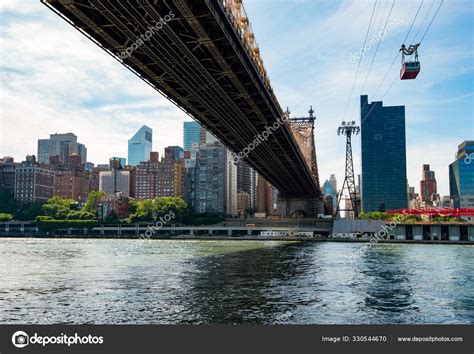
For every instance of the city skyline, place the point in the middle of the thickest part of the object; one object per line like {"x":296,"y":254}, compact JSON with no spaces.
{"x":118,"y":96}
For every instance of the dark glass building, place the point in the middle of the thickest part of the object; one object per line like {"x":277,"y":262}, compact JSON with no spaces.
{"x":384,"y":171}
{"x":461,"y":176}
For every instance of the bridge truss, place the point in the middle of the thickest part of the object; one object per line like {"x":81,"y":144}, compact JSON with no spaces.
{"x":205,"y":60}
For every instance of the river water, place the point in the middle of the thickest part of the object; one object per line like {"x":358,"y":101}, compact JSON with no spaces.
{"x":71,"y":281}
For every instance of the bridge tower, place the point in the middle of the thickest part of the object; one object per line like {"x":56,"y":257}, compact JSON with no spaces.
{"x":302,"y":130}
{"x":348,"y":129}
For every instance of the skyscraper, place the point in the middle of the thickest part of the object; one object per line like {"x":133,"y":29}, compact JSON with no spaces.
{"x":247,"y":182}
{"x":265,"y":196}
{"x":328,"y":190}
{"x":139,"y":146}
{"x":174,"y":152}
{"x":384,"y":174}
{"x":215,"y":182}
{"x":191,"y":131}
{"x":333,"y":182}
{"x":61,"y":145}
{"x":117,"y":163}
{"x":461,"y":176}
{"x":427,"y":185}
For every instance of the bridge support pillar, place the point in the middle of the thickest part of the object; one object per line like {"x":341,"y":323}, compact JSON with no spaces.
{"x":300,"y":206}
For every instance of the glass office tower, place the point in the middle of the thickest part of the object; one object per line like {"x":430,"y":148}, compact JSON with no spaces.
{"x":384,"y":172}
{"x":191,"y":131}
{"x":461,"y":176}
{"x":139,"y":146}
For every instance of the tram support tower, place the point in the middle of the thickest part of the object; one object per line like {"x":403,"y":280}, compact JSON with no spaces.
{"x":348,"y":129}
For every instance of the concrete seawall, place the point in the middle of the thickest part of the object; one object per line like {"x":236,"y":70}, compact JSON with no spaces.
{"x":236,"y":238}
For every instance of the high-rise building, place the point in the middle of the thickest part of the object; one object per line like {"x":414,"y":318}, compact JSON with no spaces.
{"x":215,"y":180}
{"x":247,"y":182}
{"x":174,"y":152}
{"x":89,"y":166}
{"x":139,"y":146}
{"x":242,"y":203}
{"x":191,"y":133}
{"x":165,"y":178}
{"x":461,"y":176}
{"x":115,"y":181}
{"x":328,"y":190}
{"x":61,"y":145}
{"x":7,"y":175}
{"x":71,"y":181}
{"x":205,"y":137}
{"x":117,"y":163}
{"x":428,"y":187}
{"x":265,"y":197}
{"x":333,"y":182}
{"x":189,"y":175}
{"x":384,"y":174}
{"x":33,"y":182}
{"x":95,"y":176}
{"x":411,"y":193}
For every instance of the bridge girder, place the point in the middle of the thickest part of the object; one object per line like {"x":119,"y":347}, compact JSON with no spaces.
{"x":199,"y":62}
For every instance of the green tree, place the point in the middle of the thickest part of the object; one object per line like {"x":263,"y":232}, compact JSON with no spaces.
{"x":57,"y":207}
{"x":6,"y":217}
{"x":28,"y":211}
{"x":7,"y":203}
{"x":165,"y":205}
{"x":80,"y":215}
{"x":250,"y":211}
{"x":93,"y":202}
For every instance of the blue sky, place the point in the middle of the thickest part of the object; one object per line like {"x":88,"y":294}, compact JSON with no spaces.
{"x":55,"y":80}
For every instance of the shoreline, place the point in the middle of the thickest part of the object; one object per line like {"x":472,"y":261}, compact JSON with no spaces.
{"x":235,"y":238}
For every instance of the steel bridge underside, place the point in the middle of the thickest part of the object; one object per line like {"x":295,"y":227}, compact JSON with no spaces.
{"x":198,"y":61}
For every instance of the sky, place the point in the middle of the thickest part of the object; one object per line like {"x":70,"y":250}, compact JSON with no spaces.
{"x":55,"y":80}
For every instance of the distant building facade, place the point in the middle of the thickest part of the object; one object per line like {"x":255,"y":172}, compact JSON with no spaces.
{"x":115,"y":181}
{"x":7,"y":175}
{"x":139,"y":146}
{"x":72,"y":181}
{"x":174,"y":152}
{"x":384,"y":174}
{"x":165,"y":178}
{"x":247,"y":182}
{"x":461,"y":176}
{"x":191,"y":134}
{"x":266,"y":197}
{"x":215,"y":180}
{"x":242,"y":203}
{"x":34,"y":182}
{"x":117,"y":163}
{"x":61,"y":145}
{"x":330,"y":194}
{"x":428,"y":187}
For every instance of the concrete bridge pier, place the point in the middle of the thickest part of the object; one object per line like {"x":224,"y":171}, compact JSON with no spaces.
{"x":300,"y":206}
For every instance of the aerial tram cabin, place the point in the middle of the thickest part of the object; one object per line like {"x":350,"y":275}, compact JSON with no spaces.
{"x":410,"y":68}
